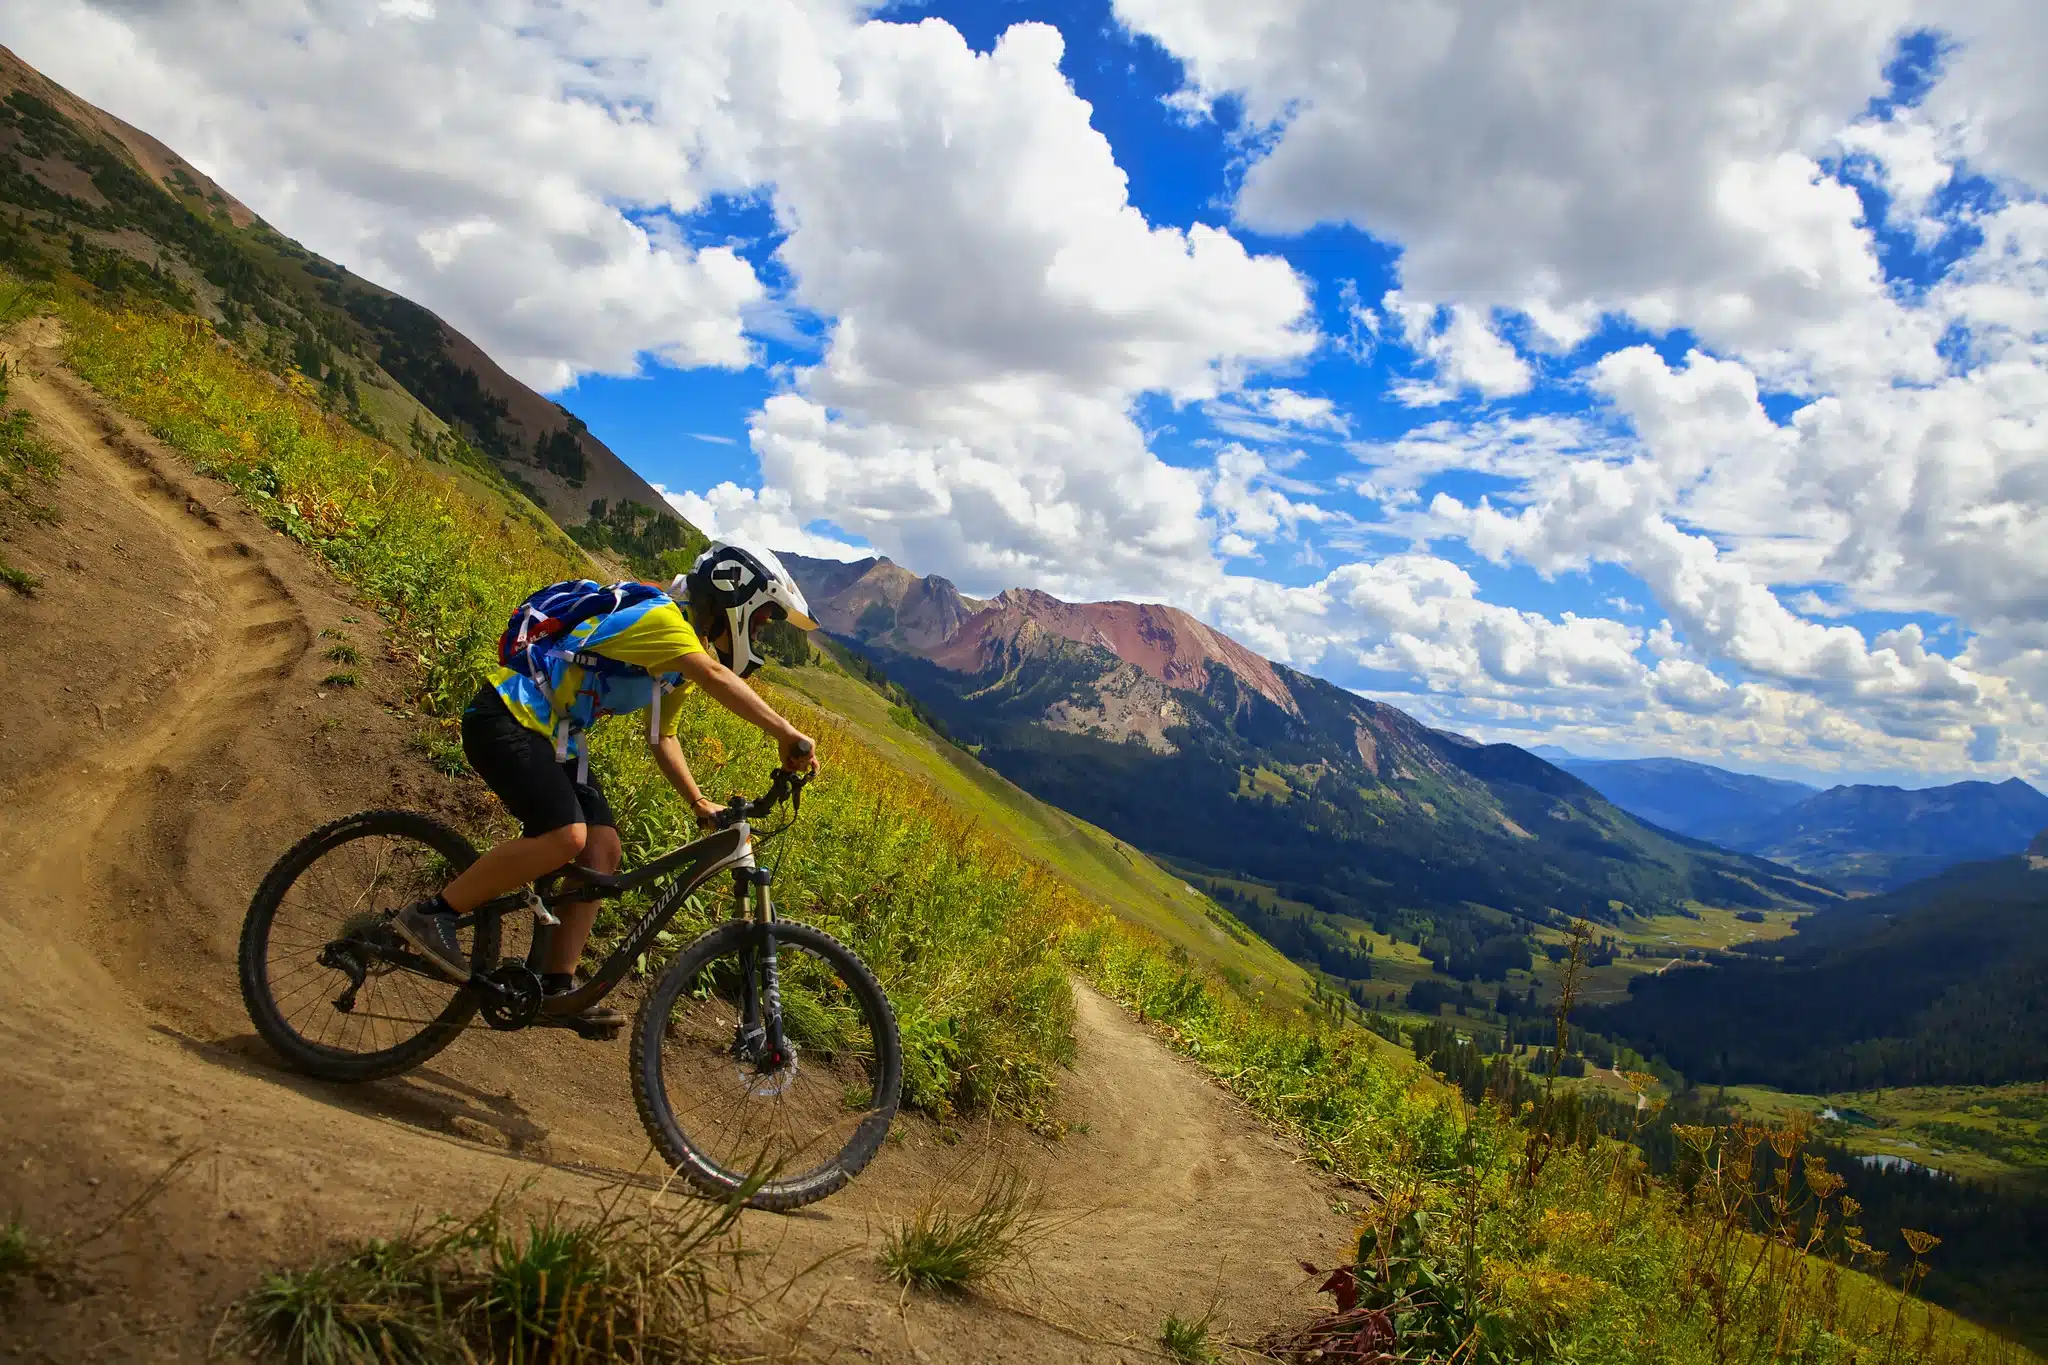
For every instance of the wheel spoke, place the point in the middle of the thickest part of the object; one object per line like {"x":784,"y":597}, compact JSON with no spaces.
{"x":737,"y":1114}
{"x":343,"y":895}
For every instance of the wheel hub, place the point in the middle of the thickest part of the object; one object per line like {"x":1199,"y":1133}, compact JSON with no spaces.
{"x":766,"y":1071}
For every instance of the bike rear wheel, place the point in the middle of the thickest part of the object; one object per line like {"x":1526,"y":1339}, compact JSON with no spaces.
{"x":319,"y":925}
{"x":722,"y":1111}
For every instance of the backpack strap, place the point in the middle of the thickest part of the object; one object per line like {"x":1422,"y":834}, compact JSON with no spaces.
{"x":662,"y":687}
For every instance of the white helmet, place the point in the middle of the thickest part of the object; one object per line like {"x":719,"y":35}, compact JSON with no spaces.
{"x":745,"y":583}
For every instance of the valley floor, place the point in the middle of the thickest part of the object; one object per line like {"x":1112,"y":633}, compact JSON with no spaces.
{"x":168,"y":731}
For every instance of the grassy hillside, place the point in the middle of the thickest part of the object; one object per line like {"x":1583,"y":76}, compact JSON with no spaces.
{"x":1102,"y":866}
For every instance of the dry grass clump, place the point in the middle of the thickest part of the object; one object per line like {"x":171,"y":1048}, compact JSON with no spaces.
{"x":645,"y":1285}
{"x":950,"y":1248}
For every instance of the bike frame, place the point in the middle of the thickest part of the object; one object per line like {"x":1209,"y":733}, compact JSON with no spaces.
{"x":730,"y":849}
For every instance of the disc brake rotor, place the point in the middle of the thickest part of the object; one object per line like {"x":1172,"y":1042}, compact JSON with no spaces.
{"x":760,"y":1079}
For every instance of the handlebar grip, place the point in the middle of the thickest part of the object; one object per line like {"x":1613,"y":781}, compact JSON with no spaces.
{"x":803,"y":748}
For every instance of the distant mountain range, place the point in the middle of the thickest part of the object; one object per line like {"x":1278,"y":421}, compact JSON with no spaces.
{"x":1691,"y":798}
{"x":1863,"y":838}
{"x":1944,"y":982}
{"x":1182,"y":741}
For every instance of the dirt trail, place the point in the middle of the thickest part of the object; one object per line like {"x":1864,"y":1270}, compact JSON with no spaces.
{"x":167,"y":732}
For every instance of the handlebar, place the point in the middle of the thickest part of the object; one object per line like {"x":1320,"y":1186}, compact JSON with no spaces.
{"x":785,"y":786}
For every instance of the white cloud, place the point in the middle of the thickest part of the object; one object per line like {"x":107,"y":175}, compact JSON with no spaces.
{"x":1653,"y":157}
{"x":1276,"y":414}
{"x":476,"y":157}
{"x":1249,"y":495}
{"x":999,"y":307}
{"x":762,"y":516}
{"x":1463,"y":349}
{"x":983,"y":310}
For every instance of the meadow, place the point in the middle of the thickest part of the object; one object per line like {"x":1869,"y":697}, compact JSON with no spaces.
{"x":1489,"y":1233}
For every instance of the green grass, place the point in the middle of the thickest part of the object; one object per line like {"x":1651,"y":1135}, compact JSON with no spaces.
{"x":565,"y":1286}
{"x":26,"y":460}
{"x":21,"y":1253}
{"x":946,"y":1249}
{"x":1187,"y":1339}
{"x":1536,"y":1250}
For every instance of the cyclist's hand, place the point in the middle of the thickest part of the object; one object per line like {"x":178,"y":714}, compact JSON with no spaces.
{"x":707,"y":812}
{"x":799,"y":753}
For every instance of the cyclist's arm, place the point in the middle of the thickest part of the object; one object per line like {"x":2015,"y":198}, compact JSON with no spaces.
{"x":726,"y":688}
{"x":668,"y":756}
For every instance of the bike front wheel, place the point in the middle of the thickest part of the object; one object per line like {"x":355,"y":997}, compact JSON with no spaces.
{"x":724,"y":1108}
{"x":327,"y":982}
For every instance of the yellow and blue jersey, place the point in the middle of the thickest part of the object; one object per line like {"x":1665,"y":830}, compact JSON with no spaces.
{"x":644,"y":635}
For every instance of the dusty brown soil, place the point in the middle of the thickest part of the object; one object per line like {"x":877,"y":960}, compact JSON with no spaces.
{"x":166,"y":733}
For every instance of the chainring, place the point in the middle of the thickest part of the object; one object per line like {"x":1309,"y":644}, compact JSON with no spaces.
{"x":517,"y":999}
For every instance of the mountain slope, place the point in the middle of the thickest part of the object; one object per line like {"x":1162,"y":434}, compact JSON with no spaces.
{"x":1695,"y":799}
{"x":82,"y":192}
{"x":1176,"y":738}
{"x":1881,"y":838}
{"x":1944,"y":982}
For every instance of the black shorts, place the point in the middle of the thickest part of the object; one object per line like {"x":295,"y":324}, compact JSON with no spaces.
{"x":519,"y":765}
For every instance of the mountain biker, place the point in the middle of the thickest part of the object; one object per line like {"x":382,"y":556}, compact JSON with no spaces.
{"x":528,"y":743}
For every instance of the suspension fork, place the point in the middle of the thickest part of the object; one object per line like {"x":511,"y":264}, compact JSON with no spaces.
{"x":761,"y":989}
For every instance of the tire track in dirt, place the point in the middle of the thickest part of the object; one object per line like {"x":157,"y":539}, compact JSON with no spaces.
{"x":177,"y":738}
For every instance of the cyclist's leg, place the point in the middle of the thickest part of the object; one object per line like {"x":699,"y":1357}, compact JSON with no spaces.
{"x":520,"y":767}
{"x":601,"y":852}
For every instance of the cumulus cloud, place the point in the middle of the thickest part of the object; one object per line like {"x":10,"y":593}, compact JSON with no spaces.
{"x":999,"y":304}
{"x":1462,"y":349}
{"x":988,"y":311}
{"x":1659,"y":159}
{"x":475,"y":157}
{"x":760,"y":516}
{"x":1249,"y":492}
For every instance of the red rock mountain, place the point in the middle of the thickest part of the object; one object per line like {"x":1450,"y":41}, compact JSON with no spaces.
{"x":881,"y":602}
{"x":1162,"y":642}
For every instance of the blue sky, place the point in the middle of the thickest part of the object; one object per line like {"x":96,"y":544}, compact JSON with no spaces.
{"x":1636,"y":377}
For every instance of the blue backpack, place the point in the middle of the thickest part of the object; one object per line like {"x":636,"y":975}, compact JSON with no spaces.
{"x":550,"y":614}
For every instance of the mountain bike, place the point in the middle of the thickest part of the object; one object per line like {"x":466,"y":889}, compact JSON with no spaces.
{"x":765,"y":1044}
